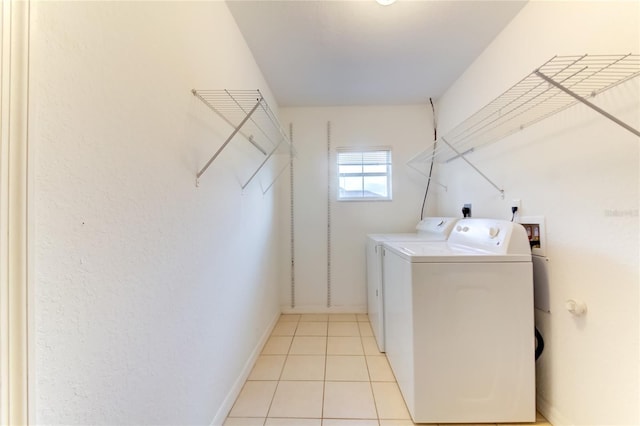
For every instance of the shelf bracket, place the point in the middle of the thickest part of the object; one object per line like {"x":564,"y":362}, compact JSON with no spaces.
{"x":586,"y":102}
{"x":462,"y":155}
{"x":235,"y":131}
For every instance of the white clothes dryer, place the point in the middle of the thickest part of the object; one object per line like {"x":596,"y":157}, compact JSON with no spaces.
{"x":459,"y":324}
{"x":431,"y":229}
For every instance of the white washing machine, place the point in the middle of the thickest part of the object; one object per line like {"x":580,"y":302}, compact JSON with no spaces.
{"x":459,"y":324}
{"x":431,"y":229}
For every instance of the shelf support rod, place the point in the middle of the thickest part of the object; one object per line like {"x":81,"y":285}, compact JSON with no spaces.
{"x":436,"y":182}
{"x":250,"y":137}
{"x":261,"y":166}
{"x":462,"y":155}
{"x":428,"y":178}
{"x":219,"y":114}
{"x":264,"y":191}
{"x":586,"y":102}
{"x":409,"y":164}
{"x":235,"y":131}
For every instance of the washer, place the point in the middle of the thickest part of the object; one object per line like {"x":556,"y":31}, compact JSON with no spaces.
{"x":431,"y":229}
{"x":459,"y":324}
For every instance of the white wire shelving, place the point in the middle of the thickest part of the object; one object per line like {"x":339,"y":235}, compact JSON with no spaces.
{"x":254,"y":124}
{"x":559,"y":83}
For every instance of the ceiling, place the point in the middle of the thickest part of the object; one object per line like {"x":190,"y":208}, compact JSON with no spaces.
{"x":357,"y":52}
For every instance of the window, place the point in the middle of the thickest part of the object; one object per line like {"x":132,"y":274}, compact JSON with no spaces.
{"x":364,"y":174}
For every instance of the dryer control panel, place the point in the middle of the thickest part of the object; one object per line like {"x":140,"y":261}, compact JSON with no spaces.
{"x":437,"y":226}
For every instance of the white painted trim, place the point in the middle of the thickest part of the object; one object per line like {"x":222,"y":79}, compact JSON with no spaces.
{"x":552,"y":415}
{"x":14,"y":197}
{"x":4,"y":211}
{"x":231,"y":397}
{"x":315,"y":309}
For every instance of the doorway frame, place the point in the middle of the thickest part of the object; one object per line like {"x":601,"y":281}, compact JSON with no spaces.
{"x":14,"y":212}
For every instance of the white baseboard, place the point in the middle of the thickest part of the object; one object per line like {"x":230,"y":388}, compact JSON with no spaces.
{"x":227,"y":404}
{"x":552,"y":415}
{"x":315,"y":309}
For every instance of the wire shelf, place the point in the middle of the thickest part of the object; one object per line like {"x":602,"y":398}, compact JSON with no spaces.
{"x":533,"y":99}
{"x":248,"y":113}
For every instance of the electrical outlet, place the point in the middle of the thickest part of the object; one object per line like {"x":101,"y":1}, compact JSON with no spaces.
{"x":516,"y":203}
{"x":466,"y":210}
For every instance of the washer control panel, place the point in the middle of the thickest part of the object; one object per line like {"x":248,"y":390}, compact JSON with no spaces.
{"x":491,"y":235}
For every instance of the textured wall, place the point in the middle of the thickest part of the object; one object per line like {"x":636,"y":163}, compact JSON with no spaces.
{"x":572,"y":168}
{"x":407,"y":130}
{"x":150,"y":293}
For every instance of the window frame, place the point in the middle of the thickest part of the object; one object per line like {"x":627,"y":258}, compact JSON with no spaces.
{"x":362,"y":174}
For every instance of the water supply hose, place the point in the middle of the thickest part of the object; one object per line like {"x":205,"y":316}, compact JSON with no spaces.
{"x":539,"y":344}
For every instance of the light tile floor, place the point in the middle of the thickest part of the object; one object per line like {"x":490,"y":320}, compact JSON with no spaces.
{"x":322,"y":370}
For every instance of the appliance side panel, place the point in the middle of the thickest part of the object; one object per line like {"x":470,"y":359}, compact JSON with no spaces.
{"x":398,"y":323}
{"x":374,"y":291}
{"x":474,"y":342}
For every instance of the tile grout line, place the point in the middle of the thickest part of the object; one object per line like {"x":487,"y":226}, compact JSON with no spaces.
{"x":324,"y":381}
{"x":366,"y":362}
{"x":266,"y":418}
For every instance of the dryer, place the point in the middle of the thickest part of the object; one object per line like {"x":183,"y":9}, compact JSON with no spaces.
{"x":431,"y":229}
{"x":459,"y":324}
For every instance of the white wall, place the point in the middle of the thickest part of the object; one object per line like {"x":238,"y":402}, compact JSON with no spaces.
{"x":574,"y":169}
{"x":150,"y":294}
{"x":407,"y":129}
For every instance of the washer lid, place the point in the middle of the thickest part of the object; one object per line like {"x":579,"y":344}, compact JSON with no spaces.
{"x":417,"y":252}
